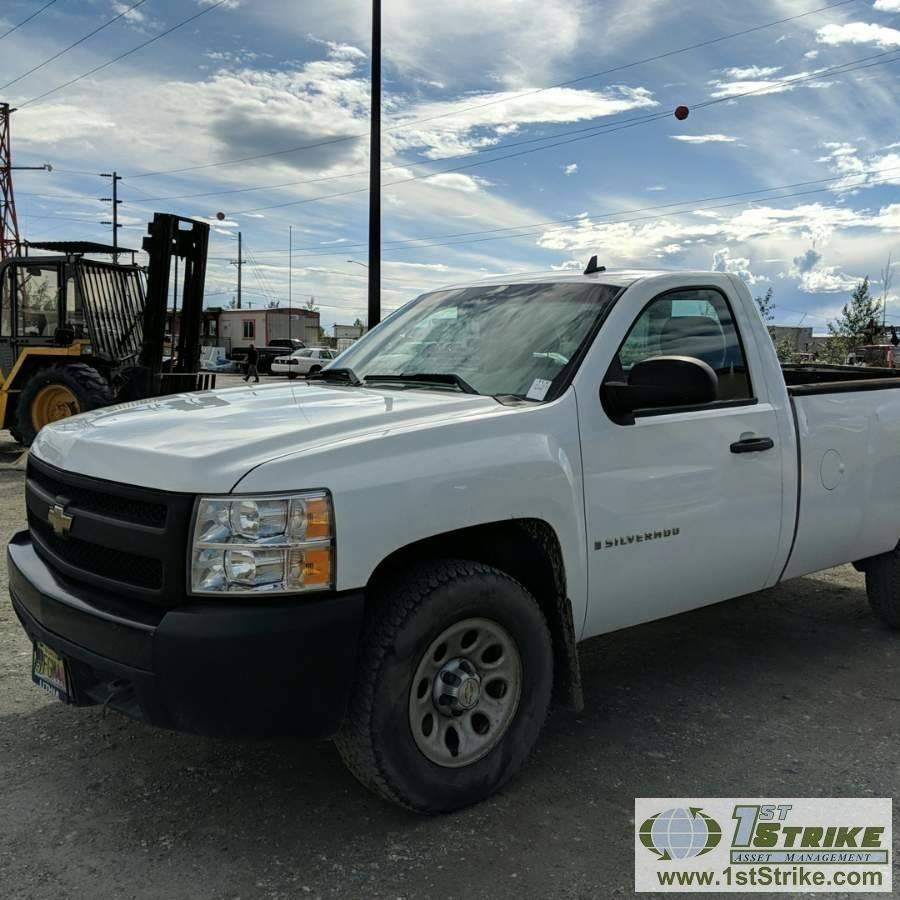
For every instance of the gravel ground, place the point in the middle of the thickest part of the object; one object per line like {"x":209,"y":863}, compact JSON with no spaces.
{"x":785,"y":693}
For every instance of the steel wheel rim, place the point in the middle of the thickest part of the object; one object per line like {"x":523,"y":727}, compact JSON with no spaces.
{"x":52,"y":403}
{"x":482,"y":656}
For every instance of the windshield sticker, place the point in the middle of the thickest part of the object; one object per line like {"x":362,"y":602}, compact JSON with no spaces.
{"x":538,"y":389}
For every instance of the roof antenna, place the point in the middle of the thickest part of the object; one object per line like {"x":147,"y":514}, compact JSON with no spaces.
{"x":592,"y":267}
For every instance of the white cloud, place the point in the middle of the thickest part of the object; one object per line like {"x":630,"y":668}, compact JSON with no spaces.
{"x":828,"y":280}
{"x":456,"y":181}
{"x":703,"y":138}
{"x":656,"y":187}
{"x":460,"y":126}
{"x":858,"y":33}
{"x":811,"y":54}
{"x":750,"y":72}
{"x":570,"y":169}
{"x":723,"y":261}
{"x":758,"y":86}
{"x":887,"y":5}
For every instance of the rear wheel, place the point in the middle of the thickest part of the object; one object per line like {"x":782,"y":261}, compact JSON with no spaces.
{"x":56,"y":393}
{"x":883,"y":587}
{"x":314,"y":369}
{"x":452,"y":689}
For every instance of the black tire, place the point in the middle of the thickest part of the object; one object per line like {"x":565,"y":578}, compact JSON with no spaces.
{"x":90,"y":389}
{"x":883,"y":587}
{"x":292,"y":376}
{"x":376,"y":740}
{"x":313,"y":370}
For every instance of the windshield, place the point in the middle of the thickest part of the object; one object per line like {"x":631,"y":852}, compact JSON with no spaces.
{"x":502,"y":340}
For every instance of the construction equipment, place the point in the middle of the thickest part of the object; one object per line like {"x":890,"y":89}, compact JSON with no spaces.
{"x":77,"y":333}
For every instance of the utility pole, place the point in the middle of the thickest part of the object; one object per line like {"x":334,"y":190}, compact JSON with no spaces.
{"x":240,"y":264}
{"x":9,"y":223}
{"x":375,"y":172}
{"x":116,"y":178}
{"x":290,"y":293}
{"x":174,"y":304}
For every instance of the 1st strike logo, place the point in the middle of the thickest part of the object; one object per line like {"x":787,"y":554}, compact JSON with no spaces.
{"x":625,"y":540}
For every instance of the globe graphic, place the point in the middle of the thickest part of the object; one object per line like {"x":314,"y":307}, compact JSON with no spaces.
{"x":680,"y":833}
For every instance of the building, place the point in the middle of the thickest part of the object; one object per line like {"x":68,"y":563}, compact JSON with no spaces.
{"x":242,"y":327}
{"x":345,"y":332}
{"x":799,"y":339}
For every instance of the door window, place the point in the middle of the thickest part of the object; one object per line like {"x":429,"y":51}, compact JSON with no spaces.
{"x":74,"y":308}
{"x":37,"y":290}
{"x":695,"y":323}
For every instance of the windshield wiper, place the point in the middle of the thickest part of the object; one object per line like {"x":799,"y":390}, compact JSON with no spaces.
{"x":426,"y":378}
{"x":340,"y":373}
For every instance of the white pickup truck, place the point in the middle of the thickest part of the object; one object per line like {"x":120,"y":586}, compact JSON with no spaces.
{"x":405,"y":552}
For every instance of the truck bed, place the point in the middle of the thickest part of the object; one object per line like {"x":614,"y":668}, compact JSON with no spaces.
{"x":804,"y":380}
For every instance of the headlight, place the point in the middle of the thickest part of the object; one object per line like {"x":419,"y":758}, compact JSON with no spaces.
{"x":272,"y":545}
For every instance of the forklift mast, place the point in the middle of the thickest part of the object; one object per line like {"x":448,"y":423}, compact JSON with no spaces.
{"x":172,"y":237}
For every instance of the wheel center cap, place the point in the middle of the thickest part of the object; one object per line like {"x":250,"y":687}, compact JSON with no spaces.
{"x":457,"y":687}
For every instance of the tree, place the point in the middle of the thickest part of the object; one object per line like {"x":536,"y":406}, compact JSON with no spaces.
{"x":311,"y":304}
{"x":855,"y":326}
{"x":274,"y":304}
{"x":358,"y":323}
{"x":766,"y":306}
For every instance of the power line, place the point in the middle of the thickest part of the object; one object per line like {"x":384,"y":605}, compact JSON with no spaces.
{"x":121,"y":56}
{"x":26,"y":21}
{"x":351,"y":247}
{"x":97,"y":30}
{"x":630,"y":65}
{"x":612,"y":127}
{"x":456,"y":112}
{"x":419,"y":246}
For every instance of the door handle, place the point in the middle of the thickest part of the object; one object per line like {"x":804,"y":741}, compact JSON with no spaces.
{"x":752,"y":445}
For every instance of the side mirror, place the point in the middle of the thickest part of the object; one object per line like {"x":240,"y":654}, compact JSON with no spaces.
{"x":658,"y":383}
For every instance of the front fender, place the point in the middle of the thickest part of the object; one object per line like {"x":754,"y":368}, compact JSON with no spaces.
{"x":406,"y":484}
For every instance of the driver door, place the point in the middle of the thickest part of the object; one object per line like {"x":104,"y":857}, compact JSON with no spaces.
{"x":677,"y":517}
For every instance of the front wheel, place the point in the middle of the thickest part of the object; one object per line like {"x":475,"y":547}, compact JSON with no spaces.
{"x":58,"y":392}
{"x":452,"y":689}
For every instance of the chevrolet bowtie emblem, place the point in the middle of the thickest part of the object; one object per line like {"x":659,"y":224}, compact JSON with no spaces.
{"x":60,"y":521}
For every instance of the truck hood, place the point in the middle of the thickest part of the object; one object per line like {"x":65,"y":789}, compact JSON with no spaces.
{"x":209,"y":441}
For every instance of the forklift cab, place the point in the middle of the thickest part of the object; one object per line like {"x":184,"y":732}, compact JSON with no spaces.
{"x":40,"y":305}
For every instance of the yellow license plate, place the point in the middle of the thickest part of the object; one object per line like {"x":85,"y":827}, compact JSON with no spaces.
{"x":49,"y":671}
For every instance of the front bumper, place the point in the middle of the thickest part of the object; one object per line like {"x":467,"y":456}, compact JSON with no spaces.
{"x":235,"y":668}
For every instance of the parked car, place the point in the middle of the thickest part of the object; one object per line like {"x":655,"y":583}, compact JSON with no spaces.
{"x":267,"y":354}
{"x":406,"y":556}
{"x":303,"y":362}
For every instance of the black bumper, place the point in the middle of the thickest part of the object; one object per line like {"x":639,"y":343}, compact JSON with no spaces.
{"x":234,"y":668}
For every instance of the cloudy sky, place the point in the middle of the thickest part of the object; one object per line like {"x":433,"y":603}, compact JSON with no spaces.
{"x":519,"y":135}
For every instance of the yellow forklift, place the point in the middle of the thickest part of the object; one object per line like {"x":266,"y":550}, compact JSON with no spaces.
{"x":78,"y":333}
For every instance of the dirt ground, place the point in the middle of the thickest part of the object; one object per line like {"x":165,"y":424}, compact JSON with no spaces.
{"x":793,"y":692}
